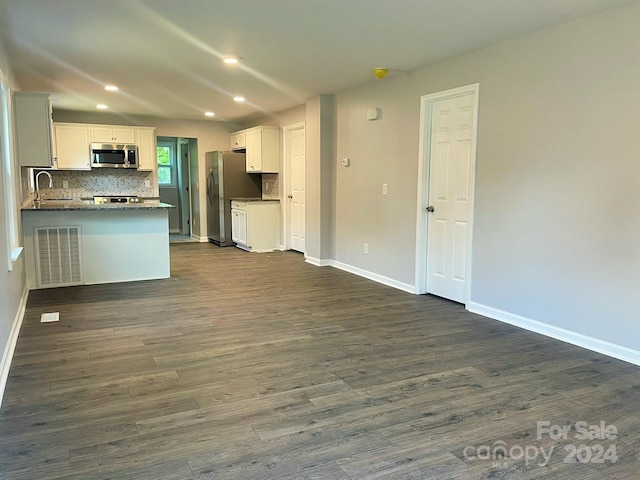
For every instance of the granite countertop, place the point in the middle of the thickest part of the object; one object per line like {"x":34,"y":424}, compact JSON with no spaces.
{"x":85,"y":204}
{"x":254,"y":199}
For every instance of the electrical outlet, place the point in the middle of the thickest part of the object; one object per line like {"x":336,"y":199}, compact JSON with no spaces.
{"x":366,"y":249}
{"x":384,"y":188}
{"x":65,"y":184}
{"x":147,"y":183}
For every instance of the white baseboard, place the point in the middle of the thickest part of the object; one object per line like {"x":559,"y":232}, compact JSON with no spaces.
{"x":10,"y":347}
{"x":197,"y":238}
{"x":390,"y":282}
{"x":317,"y":262}
{"x":594,"y":344}
{"x":574,"y":338}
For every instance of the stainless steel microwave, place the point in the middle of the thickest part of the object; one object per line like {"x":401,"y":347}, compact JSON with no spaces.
{"x":107,"y":155}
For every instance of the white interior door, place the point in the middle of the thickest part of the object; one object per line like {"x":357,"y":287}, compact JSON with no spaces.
{"x":451,"y":167}
{"x":295,"y":148}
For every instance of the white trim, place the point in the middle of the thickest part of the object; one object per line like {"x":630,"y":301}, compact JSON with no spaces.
{"x":262,"y":250}
{"x":200,"y":239}
{"x":15,"y":254}
{"x":424,"y":148}
{"x":10,"y":347}
{"x":317,"y":262}
{"x":610,"y":349}
{"x":390,"y":282}
{"x":286,"y":178}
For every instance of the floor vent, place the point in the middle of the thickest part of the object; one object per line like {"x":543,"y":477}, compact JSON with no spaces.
{"x":58,"y":256}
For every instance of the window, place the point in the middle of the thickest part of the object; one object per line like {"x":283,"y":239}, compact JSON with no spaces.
{"x":7,"y":176}
{"x":166,"y":163}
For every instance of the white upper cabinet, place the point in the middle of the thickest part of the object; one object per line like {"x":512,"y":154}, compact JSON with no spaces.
{"x":261,"y":146}
{"x":34,"y":143}
{"x":238,"y":141}
{"x":147,"y":154}
{"x":72,"y":146}
{"x":72,"y":143}
{"x":112,"y":134}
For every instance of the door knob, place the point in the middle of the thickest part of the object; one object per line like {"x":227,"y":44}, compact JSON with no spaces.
{"x":289,"y":196}
{"x":430,"y":209}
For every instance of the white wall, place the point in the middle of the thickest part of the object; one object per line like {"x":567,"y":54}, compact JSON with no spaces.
{"x":12,"y":283}
{"x":211,"y":135}
{"x":557,"y":236}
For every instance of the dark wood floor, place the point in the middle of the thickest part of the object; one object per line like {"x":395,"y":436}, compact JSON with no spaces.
{"x":259,"y":366}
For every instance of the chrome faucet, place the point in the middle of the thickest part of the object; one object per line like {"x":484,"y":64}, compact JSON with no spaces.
{"x":38,"y":185}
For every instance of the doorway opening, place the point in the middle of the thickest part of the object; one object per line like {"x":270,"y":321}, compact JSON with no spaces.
{"x":446,"y":184}
{"x":174,"y":182}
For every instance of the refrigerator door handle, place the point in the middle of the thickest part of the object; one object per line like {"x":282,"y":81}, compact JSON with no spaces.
{"x":209,"y":187}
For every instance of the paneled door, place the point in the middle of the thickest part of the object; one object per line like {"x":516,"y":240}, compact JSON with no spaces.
{"x":451,"y":168}
{"x":295,"y":164}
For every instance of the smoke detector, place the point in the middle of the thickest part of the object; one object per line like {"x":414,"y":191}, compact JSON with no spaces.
{"x":380,"y":72}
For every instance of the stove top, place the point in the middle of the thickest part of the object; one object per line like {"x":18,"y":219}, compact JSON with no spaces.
{"x":115,"y":199}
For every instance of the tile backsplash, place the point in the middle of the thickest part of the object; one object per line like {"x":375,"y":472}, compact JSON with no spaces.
{"x":270,"y":186}
{"x":104,"y":181}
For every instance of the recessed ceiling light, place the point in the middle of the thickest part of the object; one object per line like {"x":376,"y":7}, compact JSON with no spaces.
{"x":230,"y":60}
{"x":209,"y":114}
{"x":111,"y":88}
{"x":101,"y":106}
{"x":238,"y":99}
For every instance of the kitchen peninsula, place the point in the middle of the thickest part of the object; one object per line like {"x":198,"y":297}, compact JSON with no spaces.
{"x":75,"y":242}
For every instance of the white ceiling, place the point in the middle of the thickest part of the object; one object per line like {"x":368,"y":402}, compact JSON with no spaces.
{"x":165,"y":55}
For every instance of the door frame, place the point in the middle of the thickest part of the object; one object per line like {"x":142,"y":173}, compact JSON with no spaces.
{"x":185,"y":185}
{"x":286,"y":178}
{"x":424,"y":164}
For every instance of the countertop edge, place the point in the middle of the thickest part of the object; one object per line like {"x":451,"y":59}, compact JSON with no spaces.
{"x":65,"y":207}
{"x":253,"y":199}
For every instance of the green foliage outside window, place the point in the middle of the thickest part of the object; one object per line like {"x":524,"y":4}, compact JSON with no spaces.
{"x":164,"y":165}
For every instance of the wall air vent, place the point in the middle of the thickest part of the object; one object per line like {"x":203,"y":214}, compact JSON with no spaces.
{"x":58,"y":256}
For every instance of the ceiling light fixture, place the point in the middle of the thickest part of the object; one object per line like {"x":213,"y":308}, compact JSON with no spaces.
{"x":238,"y":99}
{"x":209,"y":114}
{"x":230,"y":60}
{"x":111,"y":88}
{"x":101,"y":106}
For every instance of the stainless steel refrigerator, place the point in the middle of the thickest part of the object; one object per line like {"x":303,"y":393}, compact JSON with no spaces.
{"x":226,"y":178}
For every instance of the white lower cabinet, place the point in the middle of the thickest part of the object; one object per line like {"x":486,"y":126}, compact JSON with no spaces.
{"x":239,"y":226}
{"x":255,"y":225}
